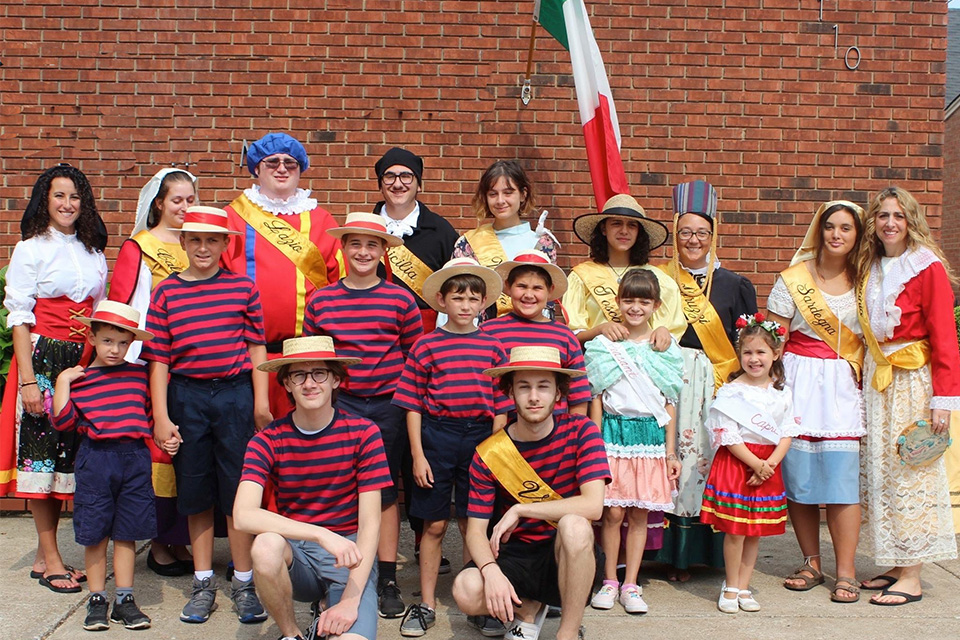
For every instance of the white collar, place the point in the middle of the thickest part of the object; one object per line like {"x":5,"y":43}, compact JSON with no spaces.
{"x":297,"y":203}
{"x":404,"y":227}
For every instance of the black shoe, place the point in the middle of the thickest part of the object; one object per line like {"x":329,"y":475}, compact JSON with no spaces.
{"x":487,"y":625}
{"x":444,"y":562}
{"x":173,"y":570}
{"x":389,"y":603}
{"x":97,"y":608}
{"x":127,"y":613}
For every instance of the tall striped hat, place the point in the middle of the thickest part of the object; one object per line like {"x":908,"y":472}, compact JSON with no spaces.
{"x":697,"y":197}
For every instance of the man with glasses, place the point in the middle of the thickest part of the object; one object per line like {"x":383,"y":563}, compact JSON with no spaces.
{"x":322,"y":539}
{"x":283,"y":243}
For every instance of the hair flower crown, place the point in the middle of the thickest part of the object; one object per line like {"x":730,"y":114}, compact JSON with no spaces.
{"x":760,"y":320}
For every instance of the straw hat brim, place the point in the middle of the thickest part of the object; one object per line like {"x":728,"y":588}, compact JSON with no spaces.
{"x":496,"y":372}
{"x":197,"y":227}
{"x":274,"y":365}
{"x":433,"y":283}
{"x":138,"y":334}
{"x":656,"y":230}
{"x":391,"y":240}
{"x":557,"y":275}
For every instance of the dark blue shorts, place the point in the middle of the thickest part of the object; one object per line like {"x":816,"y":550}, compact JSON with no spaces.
{"x":114,"y":497}
{"x":392,"y":421}
{"x":448,"y":444}
{"x":216,"y":422}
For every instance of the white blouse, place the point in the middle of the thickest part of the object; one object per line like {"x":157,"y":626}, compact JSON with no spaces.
{"x":49,"y":266}
{"x":843,"y":306}
{"x":777,"y":403}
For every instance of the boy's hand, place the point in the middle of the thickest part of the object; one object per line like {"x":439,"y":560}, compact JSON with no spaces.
{"x":165,"y":430}
{"x":172,"y":446}
{"x":660,"y":339}
{"x":338,"y":619}
{"x":262,"y":417}
{"x":422,"y":473}
{"x":614,"y":331}
{"x":69,"y":375}
{"x":345,"y":552}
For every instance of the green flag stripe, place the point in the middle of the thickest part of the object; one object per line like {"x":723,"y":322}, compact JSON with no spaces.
{"x":551,"y":19}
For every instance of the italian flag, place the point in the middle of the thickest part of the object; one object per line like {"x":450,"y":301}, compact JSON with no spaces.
{"x":567,"y":21}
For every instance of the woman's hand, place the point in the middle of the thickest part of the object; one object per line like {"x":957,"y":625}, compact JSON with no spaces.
{"x":614,"y":331}
{"x":939,"y":420}
{"x":32,"y":399}
{"x":660,"y":339}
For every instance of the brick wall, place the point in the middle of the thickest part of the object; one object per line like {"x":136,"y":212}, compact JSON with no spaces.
{"x":749,"y":94}
{"x":950,"y":239}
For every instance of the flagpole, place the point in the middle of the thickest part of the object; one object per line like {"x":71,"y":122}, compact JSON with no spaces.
{"x":525,"y":92}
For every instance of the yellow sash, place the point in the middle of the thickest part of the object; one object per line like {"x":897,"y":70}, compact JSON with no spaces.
{"x":596,"y":277}
{"x":407,"y":267}
{"x":486,"y":246}
{"x":166,"y":261}
{"x":291,"y":243}
{"x":912,"y":356}
{"x":809,"y":300}
{"x":706,"y":322}
{"x":513,"y":472}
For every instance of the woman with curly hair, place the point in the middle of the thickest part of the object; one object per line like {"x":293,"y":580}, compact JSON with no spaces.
{"x":57,"y":274}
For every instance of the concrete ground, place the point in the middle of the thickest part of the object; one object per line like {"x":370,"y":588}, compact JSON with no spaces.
{"x":28,"y":611}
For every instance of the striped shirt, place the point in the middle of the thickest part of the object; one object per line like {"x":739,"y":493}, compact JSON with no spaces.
{"x":108,"y":402}
{"x":513,"y":331}
{"x":443,"y":376}
{"x":572,"y":455}
{"x":202,"y":327}
{"x":318,"y":476}
{"x":379,"y":325}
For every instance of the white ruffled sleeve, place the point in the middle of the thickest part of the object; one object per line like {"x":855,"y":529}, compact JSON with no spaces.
{"x":21,"y":289}
{"x":724,"y":430}
{"x":779,"y":300}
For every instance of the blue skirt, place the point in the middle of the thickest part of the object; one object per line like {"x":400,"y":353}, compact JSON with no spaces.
{"x":822,"y":471}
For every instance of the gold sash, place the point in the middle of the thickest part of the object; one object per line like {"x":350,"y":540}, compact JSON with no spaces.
{"x":408,"y":268}
{"x":706,"y":322}
{"x":596,"y":277}
{"x":513,"y":472}
{"x":912,"y":356}
{"x":486,"y":246}
{"x":166,"y":261}
{"x":809,"y":300}
{"x":291,"y":243}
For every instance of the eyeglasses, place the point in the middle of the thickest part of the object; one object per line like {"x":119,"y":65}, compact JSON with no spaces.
{"x":317,"y":375}
{"x":274,"y":163}
{"x":390,"y":177}
{"x":686,"y":234}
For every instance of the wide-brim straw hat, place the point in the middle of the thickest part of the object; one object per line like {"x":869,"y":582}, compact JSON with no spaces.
{"x":119,"y":315}
{"x":307,"y":349}
{"x":367,"y":224}
{"x":539,"y":259}
{"x":621,"y":206}
{"x":540,"y":358}
{"x":808,"y":249}
{"x":199,"y":219}
{"x":458,"y":267}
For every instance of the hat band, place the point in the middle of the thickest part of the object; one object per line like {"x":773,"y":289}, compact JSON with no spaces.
{"x":622,"y":211}
{"x":309,"y":355}
{"x":531,"y":257}
{"x":198,"y":217}
{"x":362,"y":225}
{"x":543,"y":364}
{"x":115,"y":318}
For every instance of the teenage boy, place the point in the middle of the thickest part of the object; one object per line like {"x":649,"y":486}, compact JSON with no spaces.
{"x":532,"y":281}
{"x":451,"y":407}
{"x":547,"y":474}
{"x":322,"y":538}
{"x":106,"y":403}
{"x":378,"y":322}
{"x":208,"y":328}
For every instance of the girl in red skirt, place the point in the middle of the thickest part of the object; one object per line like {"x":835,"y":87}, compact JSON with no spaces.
{"x":752,"y":421}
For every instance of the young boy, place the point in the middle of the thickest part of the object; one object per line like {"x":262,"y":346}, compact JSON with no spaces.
{"x":531,"y":282}
{"x":107,"y":404}
{"x":378,"y":322}
{"x":451,"y":408}
{"x":208,"y":328}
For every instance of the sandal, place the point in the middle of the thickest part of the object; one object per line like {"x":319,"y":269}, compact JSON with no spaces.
{"x":888,"y":580}
{"x":845,"y":584}
{"x":47,"y":581}
{"x":809,"y":581}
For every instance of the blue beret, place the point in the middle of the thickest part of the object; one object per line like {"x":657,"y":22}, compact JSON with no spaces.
{"x":273,"y":143}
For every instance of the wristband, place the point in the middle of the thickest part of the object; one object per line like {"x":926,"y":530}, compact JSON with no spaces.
{"x":486,"y":564}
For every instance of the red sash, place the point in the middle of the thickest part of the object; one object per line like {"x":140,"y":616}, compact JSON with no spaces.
{"x":803,"y":345}
{"x":57,"y":318}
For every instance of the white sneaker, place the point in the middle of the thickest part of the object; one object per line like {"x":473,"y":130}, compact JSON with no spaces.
{"x":518,"y":630}
{"x":632,"y":600}
{"x":729,"y":605}
{"x":605,"y":598}
{"x":747,"y":602}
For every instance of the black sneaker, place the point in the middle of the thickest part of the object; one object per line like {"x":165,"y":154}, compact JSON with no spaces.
{"x":487,"y":625}
{"x":389,"y":603}
{"x":444,"y":562}
{"x":127,"y":613}
{"x":97,"y":609}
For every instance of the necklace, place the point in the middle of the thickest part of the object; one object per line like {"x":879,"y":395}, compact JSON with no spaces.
{"x":619,"y":274}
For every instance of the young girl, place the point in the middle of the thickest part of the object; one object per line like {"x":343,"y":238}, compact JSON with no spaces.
{"x":634,"y":388}
{"x":752,"y":422}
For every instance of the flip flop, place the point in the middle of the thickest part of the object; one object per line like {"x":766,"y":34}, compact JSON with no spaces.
{"x":890,"y":581}
{"x":47,"y":581}
{"x":36,"y":575}
{"x":907,"y":598}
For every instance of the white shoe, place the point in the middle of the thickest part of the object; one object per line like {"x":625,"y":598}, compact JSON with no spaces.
{"x":728,"y":605}
{"x":632,"y":600}
{"x":605,"y":598}
{"x":519,"y":630}
{"x":746,"y":601}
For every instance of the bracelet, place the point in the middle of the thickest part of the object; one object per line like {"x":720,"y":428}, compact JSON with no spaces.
{"x":486,"y":564}
{"x":27,"y":384}
{"x":672,"y":456}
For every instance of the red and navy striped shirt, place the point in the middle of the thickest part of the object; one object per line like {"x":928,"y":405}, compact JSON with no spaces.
{"x":202,"y":327}
{"x":108,"y":402}
{"x":318,"y":476}
{"x":571,"y":456}
{"x":513,"y":331}
{"x":443,"y":376}
{"x":379,"y":325}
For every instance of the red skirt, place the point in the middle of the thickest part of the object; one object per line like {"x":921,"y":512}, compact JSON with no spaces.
{"x":734,"y":507}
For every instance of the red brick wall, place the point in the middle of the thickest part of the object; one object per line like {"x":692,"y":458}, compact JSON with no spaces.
{"x":950,"y":238}
{"x":748,"y":94}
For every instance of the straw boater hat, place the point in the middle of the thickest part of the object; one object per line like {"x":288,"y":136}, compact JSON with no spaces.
{"x":368,"y":224}
{"x":540,"y":358}
{"x":306,"y":349}
{"x":120,"y":315}
{"x":808,"y":250}
{"x":457,"y":267}
{"x":621,"y":206}
{"x":206,"y":220}
{"x":534,"y":258}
